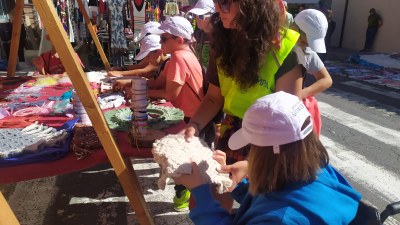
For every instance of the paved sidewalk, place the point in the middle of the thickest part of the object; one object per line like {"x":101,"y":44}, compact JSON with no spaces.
{"x":91,"y":197}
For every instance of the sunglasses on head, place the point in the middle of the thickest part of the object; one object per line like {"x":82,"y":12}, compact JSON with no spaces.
{"x":224,"y":5}
{"x":203,"y":17}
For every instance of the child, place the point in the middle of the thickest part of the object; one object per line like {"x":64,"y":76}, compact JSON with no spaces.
{"x":290,"y":179}
{"x":184,"y":80}
{"x":312,"y":26}
{"x":49,"y":62}
{"x":144,"y":63}
{"x":151,"y":51}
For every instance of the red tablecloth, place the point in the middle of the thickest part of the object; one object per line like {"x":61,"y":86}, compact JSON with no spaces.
{"x":69,"y":163}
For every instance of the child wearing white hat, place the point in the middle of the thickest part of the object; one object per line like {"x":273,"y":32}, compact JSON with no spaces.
{"x":312,"y":26}
{"x":150,"y":51}
{"x":287,"y":178}
{"x":184,"y":80}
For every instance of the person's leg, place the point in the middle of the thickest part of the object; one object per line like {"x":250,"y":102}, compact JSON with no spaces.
{"x":369,"y":38}
{"x":22,"y":42}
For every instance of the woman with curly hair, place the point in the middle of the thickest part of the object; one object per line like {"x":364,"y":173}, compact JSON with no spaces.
{"x":253,"y":58}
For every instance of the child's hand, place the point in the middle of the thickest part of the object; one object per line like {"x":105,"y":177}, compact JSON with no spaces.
{"x":114,"y":73}
{"x":237,"y":172}
{"x":220,"y":157}
{"x":189,"y":131}
{"x":193,"y":180}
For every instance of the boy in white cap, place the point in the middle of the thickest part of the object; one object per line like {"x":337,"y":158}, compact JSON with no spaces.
{"x":184,"y":80}
{"x":150,"y":51}
{"x":157,"y":61}
{"x":145,"y":31}
{"x":287,"y":178}
{"x":203,"y":11}
{"x":312,"y":26}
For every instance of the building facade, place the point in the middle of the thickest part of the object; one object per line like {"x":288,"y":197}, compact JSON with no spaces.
{"x":355,"y":24}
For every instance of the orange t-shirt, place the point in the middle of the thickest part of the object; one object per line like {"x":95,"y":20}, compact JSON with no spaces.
{"x":189,"y":75}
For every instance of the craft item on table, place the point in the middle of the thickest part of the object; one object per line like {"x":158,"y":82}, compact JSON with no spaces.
{"x":105,"y":87}
{"x":174,"y":155}
{"x":85,"y":140}
{"x":46,"y":81}
{"x":15,"y":106}
{"x":111,"y":100}
{"x":65,"y":81}
{"x":139,"y":105}
{"x":4,"y":113}
{"x":31,"y":111}
{"x":32,"y":138}
{"x":80,"y":109}
{"x":47,"y":153}
{"x":158,"y":117}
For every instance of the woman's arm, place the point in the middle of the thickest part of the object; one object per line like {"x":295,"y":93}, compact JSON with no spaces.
{"x":147,"y":69}
{"x":158,"y":83}
{"x":209,"y":107}
{"x":323,"y":82}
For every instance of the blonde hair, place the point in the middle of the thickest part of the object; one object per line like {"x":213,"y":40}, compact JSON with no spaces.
{"x":297,"y":162}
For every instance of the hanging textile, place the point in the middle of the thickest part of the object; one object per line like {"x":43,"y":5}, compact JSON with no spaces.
{"x":139,"y":16}
{"x":117,"y":24}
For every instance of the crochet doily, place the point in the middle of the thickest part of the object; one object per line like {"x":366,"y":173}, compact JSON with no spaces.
{"x":159,"y":117}
{"x":33,"y":138}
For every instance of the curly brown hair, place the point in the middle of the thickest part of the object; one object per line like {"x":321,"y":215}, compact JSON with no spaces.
{"x":241,"y":51}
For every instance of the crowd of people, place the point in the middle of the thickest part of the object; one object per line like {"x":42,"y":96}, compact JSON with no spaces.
{"x":252,"y":69}
{"x":237,"y":71}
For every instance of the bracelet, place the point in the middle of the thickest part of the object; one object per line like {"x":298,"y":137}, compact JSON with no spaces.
{"x":197,"y":125}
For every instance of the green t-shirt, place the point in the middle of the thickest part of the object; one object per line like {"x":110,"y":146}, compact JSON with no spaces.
{"x":374,"y":20}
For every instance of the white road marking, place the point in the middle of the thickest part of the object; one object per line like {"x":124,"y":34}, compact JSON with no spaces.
{"x":383,"y":134}
{"x":371,"y":176}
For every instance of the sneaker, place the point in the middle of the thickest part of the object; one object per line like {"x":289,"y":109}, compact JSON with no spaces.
{"x":182,"y":203}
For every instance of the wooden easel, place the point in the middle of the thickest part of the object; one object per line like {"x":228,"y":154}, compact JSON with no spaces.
{"x":122,"y":166}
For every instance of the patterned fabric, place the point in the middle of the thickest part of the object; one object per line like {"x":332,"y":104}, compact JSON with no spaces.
{"x":230,"y":124}
{"x":117,"y":24}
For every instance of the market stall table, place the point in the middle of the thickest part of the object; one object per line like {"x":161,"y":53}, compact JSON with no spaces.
{"x":69,"y":163}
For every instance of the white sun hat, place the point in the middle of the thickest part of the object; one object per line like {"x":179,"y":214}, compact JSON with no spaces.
{"x":177,"y":26}
{"x":148,"y":28}
{"x":148,"y":44}
{"x":273,"y":120}
{"x":314,"y":24}
{"x":203,"y":7}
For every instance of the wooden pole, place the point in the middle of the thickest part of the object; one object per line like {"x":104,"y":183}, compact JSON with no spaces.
{"x":94,"y":35}
{"x":7,"y":216}
{"x":16,"y":32}
{"x":75,"y":72}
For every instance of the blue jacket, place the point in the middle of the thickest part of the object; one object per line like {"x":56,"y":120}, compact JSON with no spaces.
{"x":327,"y":200}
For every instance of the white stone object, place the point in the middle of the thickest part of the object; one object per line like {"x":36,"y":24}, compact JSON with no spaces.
{"x":175,"y":155}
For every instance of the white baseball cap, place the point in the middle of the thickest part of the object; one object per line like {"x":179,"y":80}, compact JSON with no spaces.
{"x":148,"y":44}
{"x":273,"y":120}
{"x":148,"y":28}
{"x":202,"y":7}
{"x":177,"y":26}
{"x":314,"y":24}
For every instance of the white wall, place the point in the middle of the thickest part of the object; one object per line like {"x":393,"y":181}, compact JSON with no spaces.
{"x":388,"y":37}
